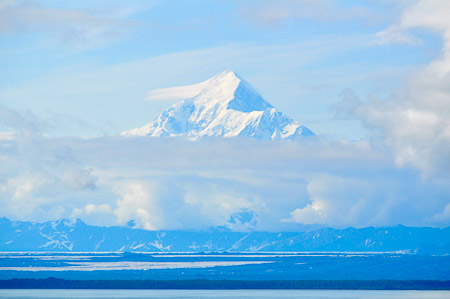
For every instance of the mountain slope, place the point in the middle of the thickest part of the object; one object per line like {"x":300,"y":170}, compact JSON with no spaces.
{"x":65,"y":235}
{"x":225,"y":106}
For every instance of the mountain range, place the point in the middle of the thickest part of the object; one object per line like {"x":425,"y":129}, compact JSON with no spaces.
{"x":223,"y":106}
{"x":75,"y":235}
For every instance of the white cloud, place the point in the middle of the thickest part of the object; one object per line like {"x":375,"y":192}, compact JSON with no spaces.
{"x":415,"y":122}
{"x":25,"y":124}
{"x":33,"y":179}
{"x":430,"y":14}
{"x":342,"y":201}
{"x":22,"y":193}
{"x":137,"y":202}
{"x":396,"y":35}
{"x":273,"y":13}
{"x":332,"y":202}
{"x":240,"y":184}
{"x":92,"y":208}
{"x":175,"y":203}
{"x":75,"y":26}
{"x":176,"y":93}
{"x":444,"y":216}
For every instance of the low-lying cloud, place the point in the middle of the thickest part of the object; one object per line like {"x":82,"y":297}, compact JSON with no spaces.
{"x":238,"y":184}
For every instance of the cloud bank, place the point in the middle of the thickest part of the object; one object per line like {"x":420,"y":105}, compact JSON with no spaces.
{"x":238,"y":184}
{"x":415,"y":122}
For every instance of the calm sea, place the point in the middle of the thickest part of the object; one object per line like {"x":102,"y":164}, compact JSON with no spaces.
{"x":316,"y":294}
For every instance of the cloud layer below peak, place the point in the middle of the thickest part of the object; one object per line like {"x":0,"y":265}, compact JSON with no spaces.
{"x":240,"y":184}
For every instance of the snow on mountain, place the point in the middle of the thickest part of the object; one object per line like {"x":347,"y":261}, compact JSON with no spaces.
{"x":67,"y":235}
{"x":223,"y":106}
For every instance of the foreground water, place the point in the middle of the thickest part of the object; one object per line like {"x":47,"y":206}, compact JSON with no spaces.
{"x":187,"y":294}
{"x":224,"y":266}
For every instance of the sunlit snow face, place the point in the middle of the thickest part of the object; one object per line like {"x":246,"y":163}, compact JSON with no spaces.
{"x":223,"y":106}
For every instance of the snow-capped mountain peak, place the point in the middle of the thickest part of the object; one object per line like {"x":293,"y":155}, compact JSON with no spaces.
{"x":223,"y":106}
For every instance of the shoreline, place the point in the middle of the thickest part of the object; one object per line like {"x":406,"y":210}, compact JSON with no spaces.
{"x":204,"y":284}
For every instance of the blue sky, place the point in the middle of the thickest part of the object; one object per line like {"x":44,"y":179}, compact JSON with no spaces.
{"x":369,"y":77}
{"x":86,"y":68}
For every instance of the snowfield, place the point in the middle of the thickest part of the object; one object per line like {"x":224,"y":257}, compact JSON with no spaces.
{"x":223,"y":106}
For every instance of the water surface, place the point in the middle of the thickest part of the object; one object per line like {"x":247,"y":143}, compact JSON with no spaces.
{"x":204,"y":294}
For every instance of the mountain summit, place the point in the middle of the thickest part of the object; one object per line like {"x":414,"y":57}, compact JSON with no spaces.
{"x":225,"y":106}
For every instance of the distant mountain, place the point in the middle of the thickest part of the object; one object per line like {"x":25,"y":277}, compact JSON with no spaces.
{"x":225,"y":106}
{"x":66,"y":235}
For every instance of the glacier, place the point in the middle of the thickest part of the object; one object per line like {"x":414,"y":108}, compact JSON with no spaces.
{"x":226,"y":106}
